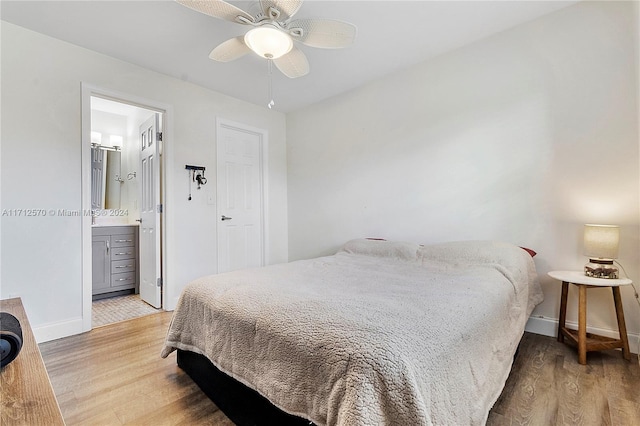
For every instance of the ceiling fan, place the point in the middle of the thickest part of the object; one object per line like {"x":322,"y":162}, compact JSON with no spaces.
{"x":274,"y":32}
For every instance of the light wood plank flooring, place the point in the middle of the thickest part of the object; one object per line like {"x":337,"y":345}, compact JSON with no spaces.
{"x":114,"y":375}
{"x":547,"y":386}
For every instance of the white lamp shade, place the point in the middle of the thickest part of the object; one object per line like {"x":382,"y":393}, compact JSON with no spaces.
{"x":601,"y":241}
{"x":116,"y":141}
{"x":96,"y":137}
{"x":268,"y":41}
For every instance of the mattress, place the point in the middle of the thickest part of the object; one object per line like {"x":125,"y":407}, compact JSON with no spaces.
{"x":379,"y":333}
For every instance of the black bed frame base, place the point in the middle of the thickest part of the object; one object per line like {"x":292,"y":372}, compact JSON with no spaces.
{"x":243,"y":405}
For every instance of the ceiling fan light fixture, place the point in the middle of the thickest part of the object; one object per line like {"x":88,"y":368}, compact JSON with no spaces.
{"x":268,"y":41}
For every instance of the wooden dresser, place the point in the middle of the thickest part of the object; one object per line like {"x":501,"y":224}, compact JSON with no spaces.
{"x":26,"y":395}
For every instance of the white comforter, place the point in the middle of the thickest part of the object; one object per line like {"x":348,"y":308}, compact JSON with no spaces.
{"x":380,"y":333}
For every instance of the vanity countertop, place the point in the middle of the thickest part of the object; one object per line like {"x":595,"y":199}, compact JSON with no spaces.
{"x":103,"y":225}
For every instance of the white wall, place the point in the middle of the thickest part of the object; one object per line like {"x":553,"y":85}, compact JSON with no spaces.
{"x":41,"y":169}
{"x":523,"y":137}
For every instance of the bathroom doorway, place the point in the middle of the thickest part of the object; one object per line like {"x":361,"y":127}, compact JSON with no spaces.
{"x":125,"y":229}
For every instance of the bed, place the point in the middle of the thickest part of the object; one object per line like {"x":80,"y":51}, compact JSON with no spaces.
{"x":382,"y":332}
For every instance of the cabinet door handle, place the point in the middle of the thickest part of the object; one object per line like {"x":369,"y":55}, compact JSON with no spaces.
{"x":107,"y":246}
{"x":124,"y":266}
{"x":124,"y":241}
{"x":121,"y":254}
{"x":124,"y":279}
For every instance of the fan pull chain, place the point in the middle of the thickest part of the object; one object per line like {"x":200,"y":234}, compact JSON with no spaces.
{"x":270,"y":65}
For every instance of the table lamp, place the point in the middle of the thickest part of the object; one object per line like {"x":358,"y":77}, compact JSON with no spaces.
{"x":601,"y":246}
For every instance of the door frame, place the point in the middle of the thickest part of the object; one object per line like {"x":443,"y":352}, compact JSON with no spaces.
{"x":264,"y":183}
{"x":88,"y":91}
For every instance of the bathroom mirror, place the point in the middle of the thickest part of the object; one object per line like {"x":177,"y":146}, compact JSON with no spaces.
{"x":106,"y":179}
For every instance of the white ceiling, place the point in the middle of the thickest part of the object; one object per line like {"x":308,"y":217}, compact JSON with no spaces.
{"x":169,"y":38}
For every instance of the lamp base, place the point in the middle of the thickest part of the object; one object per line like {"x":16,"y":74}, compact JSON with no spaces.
{"x":601,"y":268}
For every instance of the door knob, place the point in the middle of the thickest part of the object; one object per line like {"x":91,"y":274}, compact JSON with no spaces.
{"x":139,"y":220}
{"x":226,"y":218}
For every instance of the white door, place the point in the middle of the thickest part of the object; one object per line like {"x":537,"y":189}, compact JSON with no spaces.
{"x":149,"y":202}
{"x":239,"y":195}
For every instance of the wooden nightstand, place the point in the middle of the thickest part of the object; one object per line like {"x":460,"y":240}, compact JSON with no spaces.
{"x":586,"y":341}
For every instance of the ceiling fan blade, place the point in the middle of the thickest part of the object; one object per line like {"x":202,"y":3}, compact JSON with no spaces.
{"x":219,"y":9}
{"x":280,"y":10}
{"x":230,"y":50}
{"x":323,"y":33}
{"x":294,"y":64}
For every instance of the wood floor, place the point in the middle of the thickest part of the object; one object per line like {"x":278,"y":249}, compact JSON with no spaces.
{"x":547,"y":386}
{"x":114,"y":375}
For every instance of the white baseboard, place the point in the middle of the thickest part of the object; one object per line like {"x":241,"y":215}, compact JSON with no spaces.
{"x":542,"y":325}
{"x":57,"y":330}
{"x":549,"y":327}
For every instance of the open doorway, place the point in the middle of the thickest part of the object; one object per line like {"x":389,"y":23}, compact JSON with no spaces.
{"x":125,"y":230}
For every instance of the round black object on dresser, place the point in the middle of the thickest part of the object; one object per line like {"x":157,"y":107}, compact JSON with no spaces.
{"x":10,"y":338}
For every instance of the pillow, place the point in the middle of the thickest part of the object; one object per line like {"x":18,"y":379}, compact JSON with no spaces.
{"x":528,"y":250}
{"x":382,"y":248}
